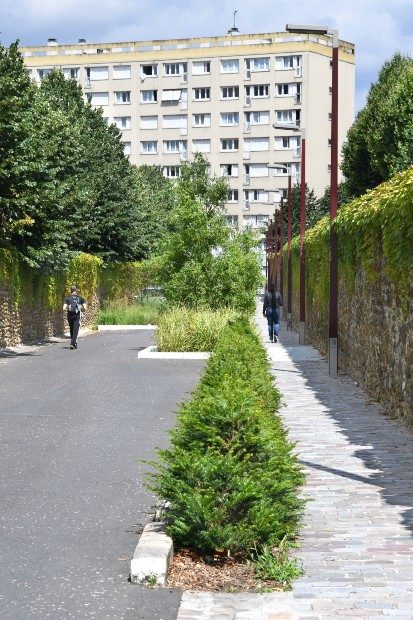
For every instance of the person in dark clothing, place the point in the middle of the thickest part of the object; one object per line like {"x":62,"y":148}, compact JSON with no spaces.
{"x":74,"y":304}
{"x":271,"y":309}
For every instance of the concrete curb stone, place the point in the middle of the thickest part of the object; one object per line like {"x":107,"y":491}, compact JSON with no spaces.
{"x":153,"y":555}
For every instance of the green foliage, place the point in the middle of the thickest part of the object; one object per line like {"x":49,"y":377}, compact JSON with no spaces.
{"x":315,"y":209}
{"x":32,"y":286}
{"x":201,"y":263}
{"x":379,"y":223}
{"x":380,"y":142}
{"x":154,"y":198}
{"x":65,"y":183}
{"x":189,"y":329}
{"x":122,"y":282}
{"x":230,"y":475}
{"x":275,"y":564}
{"x":142,"y":313}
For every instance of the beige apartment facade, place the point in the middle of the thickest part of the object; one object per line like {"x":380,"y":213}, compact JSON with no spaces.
{"x":220,"y":96}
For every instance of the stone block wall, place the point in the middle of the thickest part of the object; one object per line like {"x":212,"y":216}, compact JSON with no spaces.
{"x":375,"y":338}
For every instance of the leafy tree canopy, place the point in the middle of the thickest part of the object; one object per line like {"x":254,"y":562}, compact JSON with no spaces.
{"x":379,"y":143}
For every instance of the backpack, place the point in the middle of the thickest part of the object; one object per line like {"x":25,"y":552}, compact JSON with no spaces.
{"x":273,"y":300}
{"x":74,"y":304}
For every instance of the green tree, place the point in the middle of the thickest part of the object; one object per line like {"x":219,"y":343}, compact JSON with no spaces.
{"x":313,"y":209}
{"x":380,"y":141}
{"x":153,"y":198}
{"x":16,"y":98}
{"x":201,"y":262}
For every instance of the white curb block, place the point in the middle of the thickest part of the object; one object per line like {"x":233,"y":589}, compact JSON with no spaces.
{"x":153,"y":555}
{"x":116,"y":328}
{"x":152,"y":353}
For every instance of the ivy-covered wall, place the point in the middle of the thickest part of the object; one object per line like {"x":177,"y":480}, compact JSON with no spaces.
{"x":31,"y":303}
{"x":375,"y":236}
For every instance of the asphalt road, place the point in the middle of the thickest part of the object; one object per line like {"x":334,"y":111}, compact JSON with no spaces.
{"x":73,"y":425}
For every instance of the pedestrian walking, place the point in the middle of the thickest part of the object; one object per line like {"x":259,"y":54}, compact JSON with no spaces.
{"x":74,"y":304}
{"x":271,"y":309}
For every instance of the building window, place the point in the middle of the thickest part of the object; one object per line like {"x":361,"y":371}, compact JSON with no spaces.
{"x":229,"y":119}
{"x":258,"y":91}
{"x":201,"y":67}
{"x":258,"y":118}
{"x":288,"y":116}
{"x":229,"y":144}
{"x":149,"y":71}
{"x":229,"y":170}
{"x":232,"y":195}
{"x":174,"y":121}
{"x":171,"y":172}
{"x":122,"y":96}
{"x":287,"y":168}
{"x":175,"y":68}
{"x":122,"y":122}
{"x":42,"y":73}
{"x":122,"y":72}
{"x":201,"y":120}
{"x":149,"y":96}
{"x":287,"y":142}
{"x":256,"y":195}
{"x":229,"y":92}
{"x":288,"y":90}
{"x":201,"y":146}
{"x":174,"y":146}
{"x":202,"y":94}
{"x":257,"y":64}
{"x":230,"y":65}
{"x":256,"y":170}
{"x":149,"y":147}
{"x":97,"y":73}
{"x":148,"y":122}
{"x":98,"y":98}
{"x":71,"y":73}
{"x":232,"y":220}
{"x":126,"y":148}
{"x":256,"y":144}
{"x":288,"y":62}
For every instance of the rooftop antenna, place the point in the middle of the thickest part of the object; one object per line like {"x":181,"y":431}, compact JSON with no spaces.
{"x":234,"y":29}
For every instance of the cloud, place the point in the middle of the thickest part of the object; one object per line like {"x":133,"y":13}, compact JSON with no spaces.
{"x":377,"y":27}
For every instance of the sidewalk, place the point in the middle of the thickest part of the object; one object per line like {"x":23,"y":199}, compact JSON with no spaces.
{"x":356,"y":543}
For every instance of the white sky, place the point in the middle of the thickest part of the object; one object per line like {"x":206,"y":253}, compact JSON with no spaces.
{"x":377,"y":27}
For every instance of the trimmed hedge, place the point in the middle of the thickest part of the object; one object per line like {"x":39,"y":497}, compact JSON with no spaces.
{"x":230,"y":477}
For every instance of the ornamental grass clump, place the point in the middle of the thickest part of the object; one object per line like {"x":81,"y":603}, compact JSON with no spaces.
{"x":190,"y":329}
{"x":230,"y":477}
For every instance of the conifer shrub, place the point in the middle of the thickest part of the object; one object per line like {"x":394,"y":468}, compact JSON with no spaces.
{"x":230,"y":478}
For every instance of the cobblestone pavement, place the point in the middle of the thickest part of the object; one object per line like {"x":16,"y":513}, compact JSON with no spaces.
{"x":356,"y":543}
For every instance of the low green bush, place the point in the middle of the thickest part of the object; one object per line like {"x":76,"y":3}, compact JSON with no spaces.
{"x":143,"y":313}
{"x":185,"y":329}
{"x":230,"y":478}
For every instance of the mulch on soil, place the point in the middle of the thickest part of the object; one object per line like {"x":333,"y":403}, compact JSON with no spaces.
{"x":192,"y":571}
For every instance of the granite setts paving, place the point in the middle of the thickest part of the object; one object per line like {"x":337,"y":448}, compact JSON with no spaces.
{"x":357,"y":539}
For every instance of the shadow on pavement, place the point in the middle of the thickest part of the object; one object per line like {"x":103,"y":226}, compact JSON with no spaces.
{"x":383,"y":444}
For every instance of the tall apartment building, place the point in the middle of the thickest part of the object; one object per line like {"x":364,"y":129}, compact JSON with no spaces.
{"x":219,"y":96}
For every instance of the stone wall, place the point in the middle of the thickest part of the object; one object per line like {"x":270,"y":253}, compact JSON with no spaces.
{"x":29,"y":323}
{"x":375,"y":339}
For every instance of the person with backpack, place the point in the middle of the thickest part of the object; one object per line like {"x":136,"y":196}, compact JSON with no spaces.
{"x":74,"y":304}
{"x":271,"y":309}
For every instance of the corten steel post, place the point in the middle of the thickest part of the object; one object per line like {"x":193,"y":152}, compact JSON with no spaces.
{"x":266,"y":247}
{"x":281,"y":251}
{"x":301,"y":333}
{"x":333,"y":301}
{"x":274,"y":245}
{"x":289,"y":266}
{"x":333,"y":298}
